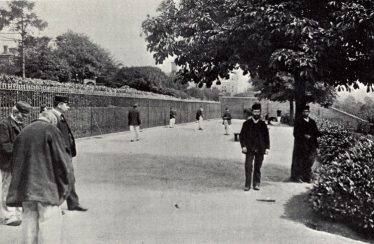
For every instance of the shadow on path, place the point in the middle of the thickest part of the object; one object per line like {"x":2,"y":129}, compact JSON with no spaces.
{"x":298,"y":209}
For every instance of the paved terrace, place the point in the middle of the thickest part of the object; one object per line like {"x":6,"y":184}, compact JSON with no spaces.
{"x":182,"y":185}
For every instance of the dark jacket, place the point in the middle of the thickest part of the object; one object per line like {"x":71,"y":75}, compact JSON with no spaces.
{"x":199,"y":114}
{"x":9,"y":129}
{"x":173,"y":114}
{"x":40,"y":166}
{"x":227,"y":116}
{"x":302,"y":128}
{"x":255,"y":136}
{"x":67,"y":135}
{"x":134,"y":117}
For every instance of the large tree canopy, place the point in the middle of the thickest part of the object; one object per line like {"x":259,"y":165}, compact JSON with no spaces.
{"x":318,"y":42}
{"x":86,"y":58}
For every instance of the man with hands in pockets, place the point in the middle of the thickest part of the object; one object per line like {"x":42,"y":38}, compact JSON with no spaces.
{"x":255,"y":142}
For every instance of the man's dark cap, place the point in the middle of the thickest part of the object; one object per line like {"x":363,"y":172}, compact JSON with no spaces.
{"x":256,"y":106}
{"x":61,"y":99}
{"x":23,"y":107}
{"x":135,"y":105}
{"x":306,"y":107}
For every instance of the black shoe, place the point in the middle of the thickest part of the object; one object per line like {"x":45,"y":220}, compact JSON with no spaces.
{"x":256,"y":188}
{"x":78,"y":208}
{"x":247,"y":188}
{"x":14,"y":223}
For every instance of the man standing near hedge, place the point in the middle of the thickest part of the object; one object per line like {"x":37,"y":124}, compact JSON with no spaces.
{"x":134,"y":122}
{"x":255,"y":142}
{"x":305,"y":148}
{"x":60,"y":106}
{"x":9,"y":129}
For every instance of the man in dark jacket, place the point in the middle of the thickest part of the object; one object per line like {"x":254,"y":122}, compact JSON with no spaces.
{"x":255,"y":142}
{"x":200,"y":117}
{"x":134,"y":122}
{"x":227,"y":121}
{"x":305,"y":148}
{"x":40,"y":179}
{"x":9,"y":129}
{"x":173,"y":114}
{"x":60,"y":106}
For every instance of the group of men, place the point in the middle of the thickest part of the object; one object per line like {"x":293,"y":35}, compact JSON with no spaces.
{"x":37,"y":171}
{"x":255,"y":143}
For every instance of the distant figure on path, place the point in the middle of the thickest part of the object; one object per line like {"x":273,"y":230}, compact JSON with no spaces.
{"x":10,"y":127}
{"x":305,"y":147}
{"x":41,"y":179}
{"x":227,"y":121}
{"x":173,"y":114}
{"x":255,"y":142}
{"x":134,"y":122}
{"x":60,"y":106}
{"x":200,"y":117}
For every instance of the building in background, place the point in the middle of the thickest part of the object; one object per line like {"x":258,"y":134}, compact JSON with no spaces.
{"x":8,"y":57}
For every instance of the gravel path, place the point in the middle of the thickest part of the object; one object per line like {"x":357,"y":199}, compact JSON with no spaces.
{"x":182,"y":185}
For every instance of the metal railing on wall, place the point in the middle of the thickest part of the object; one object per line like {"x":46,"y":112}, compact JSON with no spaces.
{"x":98,"y":112}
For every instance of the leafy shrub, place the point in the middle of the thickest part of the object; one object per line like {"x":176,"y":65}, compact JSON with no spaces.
{"x":335,"y":140}
{"x":344,"y":189}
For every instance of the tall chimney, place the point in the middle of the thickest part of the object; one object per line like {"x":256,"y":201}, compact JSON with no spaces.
{"x":5,"y":49}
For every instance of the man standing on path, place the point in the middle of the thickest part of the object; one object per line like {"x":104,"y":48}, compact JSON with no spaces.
{"x":255,"y":142}
{"x":40,"y":179}
{"x":9,"y":129}
{"x":134,"y":122}
{"x":173,"y":114}
{"x":227,"y":121}
{"x":60,"y":106}
{"x":305,"y":148}
{"x":200,"y":117}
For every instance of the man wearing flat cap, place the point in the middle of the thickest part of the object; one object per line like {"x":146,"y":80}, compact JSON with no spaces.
{"x":60,"y":106}
{"x":10,"y":127}
{"x":255,"y":142}
{"x":134,"y":122}
{"x":305,"y":148}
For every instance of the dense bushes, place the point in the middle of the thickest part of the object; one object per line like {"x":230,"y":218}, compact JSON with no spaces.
{"x":344,"y":189}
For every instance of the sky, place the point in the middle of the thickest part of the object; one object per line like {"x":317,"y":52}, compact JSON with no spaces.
{"x":113,"y":24}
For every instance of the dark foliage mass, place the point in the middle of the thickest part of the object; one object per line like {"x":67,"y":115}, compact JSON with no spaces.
{"x":344,"y":189}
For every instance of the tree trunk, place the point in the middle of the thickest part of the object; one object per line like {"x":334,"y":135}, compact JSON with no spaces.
{"x":292,"y":112}
{"x":300,"y":96}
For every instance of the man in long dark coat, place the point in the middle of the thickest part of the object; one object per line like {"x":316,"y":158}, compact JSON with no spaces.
{"x":40,"y":179}
{"x":255,"y":142}
{"x":134,"y":122}
{"x":10,"y":127}
{"x":305,"y":148}
{"x":60,"y":106}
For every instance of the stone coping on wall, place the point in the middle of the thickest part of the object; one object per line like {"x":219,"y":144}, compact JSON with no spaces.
{"x":90,"y":91}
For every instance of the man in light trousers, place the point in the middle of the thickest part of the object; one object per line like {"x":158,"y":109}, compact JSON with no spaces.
{"x":134,"y":122}
{"x":41,"y":180}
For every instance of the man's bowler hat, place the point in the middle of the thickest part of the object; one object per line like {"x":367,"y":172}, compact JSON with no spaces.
{"x":61,"y":99}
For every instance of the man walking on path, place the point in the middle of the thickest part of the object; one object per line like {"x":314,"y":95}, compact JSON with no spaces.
{"x":134,"y":122}
{"x":227,"y":121}
{"x":305,"y":148}
{"x":173,"y":114}
{"x":40,"y":179}
{"x":200,"y":117}
{"x":60,"y":106}
{"x":255,"y":142}
{"x":9,"y":129}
